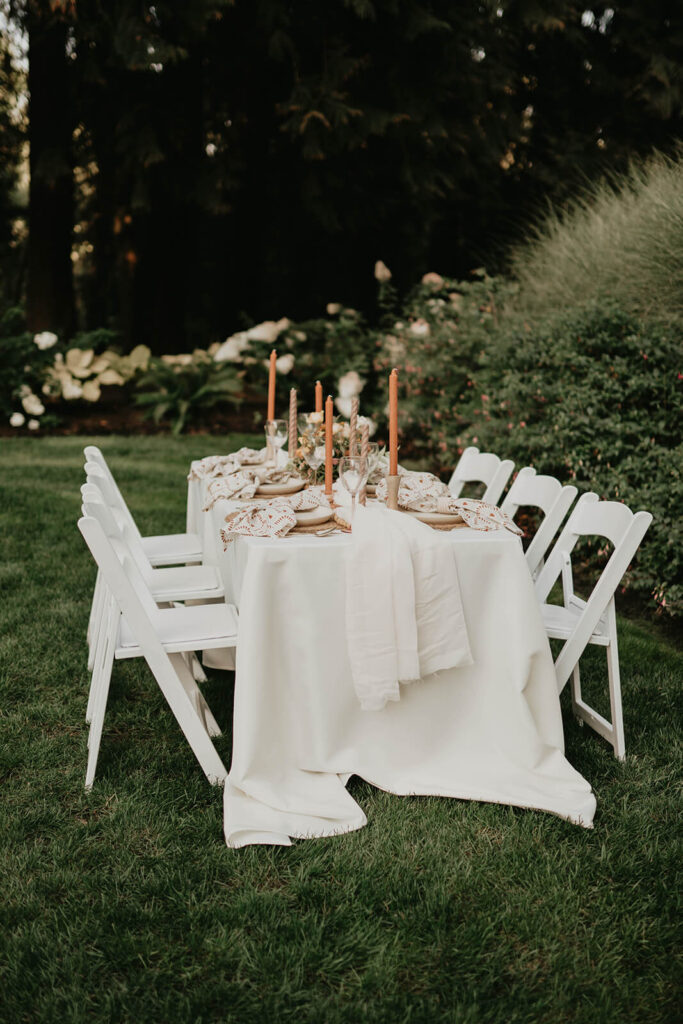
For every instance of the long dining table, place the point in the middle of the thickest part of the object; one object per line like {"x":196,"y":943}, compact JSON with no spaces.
{"x":490,"y":731}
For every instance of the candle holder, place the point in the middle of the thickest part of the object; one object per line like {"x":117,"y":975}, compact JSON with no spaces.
{"x":392,"y":492}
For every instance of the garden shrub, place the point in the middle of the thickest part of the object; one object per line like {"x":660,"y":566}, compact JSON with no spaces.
{"x":591,"y":396}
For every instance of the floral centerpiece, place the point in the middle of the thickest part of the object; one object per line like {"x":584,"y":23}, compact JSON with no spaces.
{"x":309,"y":459}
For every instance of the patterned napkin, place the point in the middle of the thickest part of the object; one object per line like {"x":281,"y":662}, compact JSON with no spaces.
{"x":423,"y":492}
{"x":243,"y":483}
{"x":222,"y":465}
{"x":273,"y":518}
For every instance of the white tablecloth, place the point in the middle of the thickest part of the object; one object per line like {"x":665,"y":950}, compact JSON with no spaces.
{"x":491,"y":731}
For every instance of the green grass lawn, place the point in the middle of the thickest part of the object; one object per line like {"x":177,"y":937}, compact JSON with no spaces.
{"x":125,"y":904}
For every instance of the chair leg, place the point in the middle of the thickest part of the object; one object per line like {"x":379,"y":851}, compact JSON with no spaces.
{"x":195,"y":694}
{"x":100,"y":689}
{"x":106,"y":633}
{"x":575,"y":687}
{"x":619,"y":741}
{"x":187,"y":717}
{"x":94,"y":624}
{"x":197,"y":668}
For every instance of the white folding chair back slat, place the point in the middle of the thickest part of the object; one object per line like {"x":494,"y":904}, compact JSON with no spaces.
{"x":128,"y":596}
{"x":593,"y":621}
{"x":481,"y":467}
{"x":162,"y":549}
{"x":546,"y":493}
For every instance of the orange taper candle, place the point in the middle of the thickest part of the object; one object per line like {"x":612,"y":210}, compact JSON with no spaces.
{"x":318,"y":396}
{"x":271,"y":385}
{"x":329,"y":412}
{"x":393,"y":422}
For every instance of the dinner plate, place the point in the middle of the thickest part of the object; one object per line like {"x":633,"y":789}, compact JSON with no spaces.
{"x":435,"y":518}
{"x":291,"y":487}
{"x":314,"y":516}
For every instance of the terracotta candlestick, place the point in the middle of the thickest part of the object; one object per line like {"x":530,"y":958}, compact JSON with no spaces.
{"x":271,"y":385}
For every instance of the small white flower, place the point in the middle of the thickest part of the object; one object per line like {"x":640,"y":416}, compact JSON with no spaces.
{"x":33,"y":425}
{"x":267,"y":331}
{"x":420,"y":328}
{"x":91,"y":391}
{"x":382,"y":272}
{"x":372,"y":426}
{"x":333,"y":308}
{"x":17,"y":419}
{"x":350,"y":385}
{"x":231,"y":350}
{"x":299,"y":335}
{"x":33,"y":405}
{"x":71,"y":389}
{"x":316,"y":417}
{"x":284,"y":364}
{"x":434,"y":281}
{"x":46,"y":339}
{"x":343,"y":405}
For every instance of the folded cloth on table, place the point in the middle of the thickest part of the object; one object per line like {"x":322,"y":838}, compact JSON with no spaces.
{"x":270,"y":519}
{"x":244,"y":483}
{"x":222,"y":465}
{"x":404,"y":614}
{"x":273,"y":518}
{"x":423,"y":492}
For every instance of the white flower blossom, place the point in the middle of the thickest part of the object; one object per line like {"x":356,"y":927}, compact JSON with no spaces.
{"x":343,"y":406}
{"x":71,"y":389}
{"x":46,"y":339}
{"x":268,"y":331}
{"x":350,"y":385}
{"x":333,"y":308}
{"x":33,"y":405}
{"x":434,"y":281}
{"x":231,"y":350}
{"x":91,"y":391}
{"x":372,"y":426}
{"x":285,"y":364}
{"x":33,"y":425}
{"x":420,"y":328}
{"x":382,"y":272}
{"x":17,"y":419}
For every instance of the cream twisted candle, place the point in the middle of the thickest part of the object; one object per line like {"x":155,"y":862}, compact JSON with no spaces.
{"x":353,"y":426}
{"x":364,"y":451}
{"x":292,"y":424}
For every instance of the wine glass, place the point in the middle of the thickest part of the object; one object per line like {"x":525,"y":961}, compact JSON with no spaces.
{"x":315,"y":458}
{"x":373,"y":458}
{"x":305,"y":428}
{"x":277,"y":432}
{"x":353,"y":473}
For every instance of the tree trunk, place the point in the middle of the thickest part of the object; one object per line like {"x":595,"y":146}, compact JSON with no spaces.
{"x":50,"y":293}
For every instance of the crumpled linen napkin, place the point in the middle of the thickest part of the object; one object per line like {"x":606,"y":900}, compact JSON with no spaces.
{"x":222,"y":465}
{"x":423,"y":492}
{"x":274,"y":518}
{"x":404,"y":613}
{"x":243,"y":483}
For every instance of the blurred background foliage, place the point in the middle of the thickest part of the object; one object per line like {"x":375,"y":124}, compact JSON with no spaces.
{"x":182,"y":169}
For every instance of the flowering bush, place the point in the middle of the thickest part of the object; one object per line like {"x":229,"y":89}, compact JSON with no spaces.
{"x":591,"y":396}
{"x":436,"y":339}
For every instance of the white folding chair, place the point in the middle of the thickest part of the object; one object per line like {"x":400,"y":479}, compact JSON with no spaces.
{"x":475,"y":467}
{"x":181,"y":583}
{"x":159,"y":635}
{"x":545,"y":492}
{"x":163,"y":549}
{"x":594,"y":621}
{"x":172,"y":584}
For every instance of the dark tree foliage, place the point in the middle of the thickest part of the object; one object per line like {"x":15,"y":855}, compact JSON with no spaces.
{"x":251,"y":158}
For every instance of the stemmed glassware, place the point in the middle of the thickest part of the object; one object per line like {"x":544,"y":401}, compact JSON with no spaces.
{"x":353,"y":473}
{"x":315,"y":458}
{"x":277,"y":432}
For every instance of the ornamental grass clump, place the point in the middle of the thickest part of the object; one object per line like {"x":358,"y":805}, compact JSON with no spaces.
{"x":621,"y":240}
